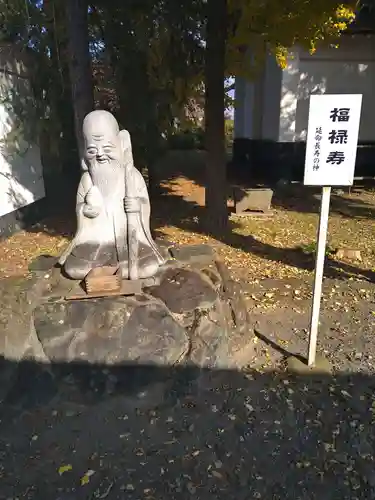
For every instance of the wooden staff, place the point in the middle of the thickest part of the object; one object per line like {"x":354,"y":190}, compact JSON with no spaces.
{"x":132,"y":223}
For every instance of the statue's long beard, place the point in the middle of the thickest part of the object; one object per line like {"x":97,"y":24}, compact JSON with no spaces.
{"x":109,"y":179}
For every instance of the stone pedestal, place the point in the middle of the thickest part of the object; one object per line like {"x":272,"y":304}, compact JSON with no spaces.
{"x":250,"y":201}
{"x":194,"y":315}
{"x":191,"y":316}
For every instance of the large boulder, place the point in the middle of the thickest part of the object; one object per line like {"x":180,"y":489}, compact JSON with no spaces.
{"x":195,"y":314}
{"x":108,"y":331}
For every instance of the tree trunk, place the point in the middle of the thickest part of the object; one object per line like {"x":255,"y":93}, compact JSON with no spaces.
{"x":138,"y":113}
{"x":79,"y":62}
{"x":59,"y":91}
{"x":216,"y":182}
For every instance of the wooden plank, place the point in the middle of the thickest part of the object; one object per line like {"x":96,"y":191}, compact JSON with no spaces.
{"x":102,"y":271}
{"x":102,"y":284}
{"x":102,"y":280}
{"x":128,"y":287}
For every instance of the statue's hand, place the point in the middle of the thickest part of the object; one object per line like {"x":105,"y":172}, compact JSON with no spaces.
{"x":90,"y":211}
{"x":132,"y":205}
{"x":93,"y":203}
{"x":93,"y":197}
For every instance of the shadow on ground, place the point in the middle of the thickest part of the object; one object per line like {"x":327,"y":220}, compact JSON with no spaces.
{"x":189,"y":215}
{"x":136,"y":432}
{"x":298,"y":198}
{"x":293,"y":197}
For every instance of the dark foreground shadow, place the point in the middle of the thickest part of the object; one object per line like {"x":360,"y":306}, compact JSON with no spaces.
{"x":137,"y":432}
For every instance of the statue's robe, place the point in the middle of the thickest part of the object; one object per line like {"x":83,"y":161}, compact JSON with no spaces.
{"x":103,"y":240}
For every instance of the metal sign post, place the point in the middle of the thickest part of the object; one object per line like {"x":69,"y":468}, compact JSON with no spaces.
{"x":331,"y":150}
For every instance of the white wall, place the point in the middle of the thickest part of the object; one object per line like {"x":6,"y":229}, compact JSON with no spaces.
{"x":244,"y":109}
{"x":348,"y":69}
{"x":276,"y":106}
{"x":21,"y":181}
{"x":271,"y":100}
{"x":257,"y":104}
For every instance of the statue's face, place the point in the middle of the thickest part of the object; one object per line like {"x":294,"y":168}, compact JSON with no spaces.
{"x":103,"y":148}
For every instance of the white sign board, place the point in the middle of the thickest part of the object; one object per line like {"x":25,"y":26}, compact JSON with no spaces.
{"x":332,"y":138}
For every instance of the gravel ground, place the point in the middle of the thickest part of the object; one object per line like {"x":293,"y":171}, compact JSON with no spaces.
{"x":228,"y":435}
{"x":178,"y":434}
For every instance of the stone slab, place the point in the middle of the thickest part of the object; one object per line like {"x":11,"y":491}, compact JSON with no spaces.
{"x":59,"y":287}
{"x":110,"y":331}
{"x":256,"y":199}
{"x":193,"y":253}
{"x":183,"y":291}
{"x":254,"y":214}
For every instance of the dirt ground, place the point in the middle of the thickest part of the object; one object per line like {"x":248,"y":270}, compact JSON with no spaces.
{"x":280,"y":246}
{"x":262,"y":433}
{"x":141,"y":433}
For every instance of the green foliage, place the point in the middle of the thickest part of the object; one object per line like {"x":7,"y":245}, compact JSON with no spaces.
{"x":188,"y":139}
{"x":154,"y":59}
{"x":311,"y":249}
{"x":229,"y":130}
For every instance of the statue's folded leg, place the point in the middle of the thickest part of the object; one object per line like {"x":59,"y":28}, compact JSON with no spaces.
{"x":77,"y":268}
{"x":87,"y":256}
{"x":147,"y":267}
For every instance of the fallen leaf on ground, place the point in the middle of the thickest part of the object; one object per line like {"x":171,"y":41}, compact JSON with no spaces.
{"x":85,"y":479}
{"x":65,"y":468}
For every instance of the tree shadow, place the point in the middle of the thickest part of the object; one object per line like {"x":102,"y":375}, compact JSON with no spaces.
{"x":35,"y":153}
{"x":190,"y":165}
{"x":188,"y":215}
{"x":304,"y":199}
{"x":134,"y":431}
{"x":294,"y":256}
{"x":172,"y":209}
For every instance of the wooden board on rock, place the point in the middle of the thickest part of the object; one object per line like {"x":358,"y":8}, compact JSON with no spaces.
{"x":105,"y":282}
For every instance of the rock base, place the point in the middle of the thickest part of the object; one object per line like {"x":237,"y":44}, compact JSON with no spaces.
{"x":194,"y":315}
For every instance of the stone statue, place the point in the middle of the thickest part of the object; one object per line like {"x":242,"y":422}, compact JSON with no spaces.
{"x":113,"y":207}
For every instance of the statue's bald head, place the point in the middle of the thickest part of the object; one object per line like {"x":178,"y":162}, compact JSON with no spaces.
{"x":99,"y":123}
{"x":102,"y":138}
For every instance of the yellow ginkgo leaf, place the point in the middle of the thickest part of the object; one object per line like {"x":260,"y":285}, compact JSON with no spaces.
{"x":85,"y":479}
{"x":64,"y":468}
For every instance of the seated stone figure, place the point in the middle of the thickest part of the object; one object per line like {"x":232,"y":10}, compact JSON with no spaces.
{"x":112,"y":202}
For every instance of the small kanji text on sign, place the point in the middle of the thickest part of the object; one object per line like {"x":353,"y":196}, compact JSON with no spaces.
{"x":318,"y":138}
